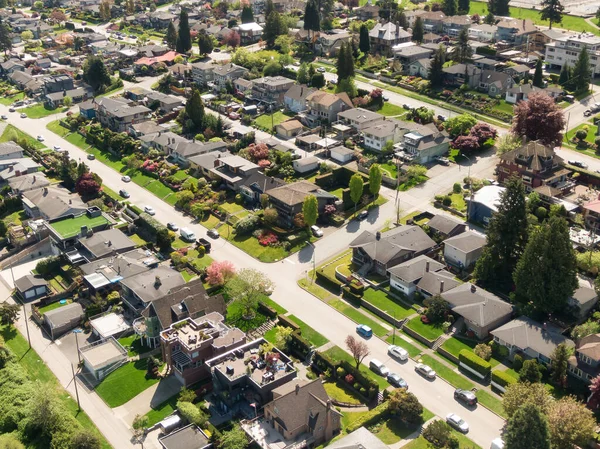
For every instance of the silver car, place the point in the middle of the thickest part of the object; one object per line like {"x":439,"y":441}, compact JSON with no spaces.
{"x":398,"y":352}
{"x":425,"y":370}
{"x":457,"y":422}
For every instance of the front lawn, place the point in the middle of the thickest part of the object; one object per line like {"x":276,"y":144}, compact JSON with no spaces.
{"x":390,"y":110}
{"x":272,"y":304}
{"x":40,"y":111}
{"x":349,"y":417}
{"x":391,"y":169}
{"x":355,"y":315}
{"x":232,"y":207}
{"x":458,"y":202}
{"x":309,"y":333}
{"x":264,"y":121}
{"x":448,"y":374}
{"x":12,"y":133}
{"x":422,"y":443}
{"x":337,"y":354}
{"x":340,"y":394}
{"x":162,"y":410}
{"x":492,"y":402}
{"x":381,"y":300}
{"x":344,"y":261}
{"x":235,"y":317}
{"x":7,"y":101}
{"x":429,"y":331}
{"x":314,"y":289}
{"x":133,"y":344}
{"x":455,"y":344}
{"x":393,"y":430}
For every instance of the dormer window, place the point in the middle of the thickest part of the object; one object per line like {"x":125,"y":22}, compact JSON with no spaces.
{"x":585,"y":359}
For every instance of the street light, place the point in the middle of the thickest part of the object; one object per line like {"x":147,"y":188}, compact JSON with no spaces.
{"x":77,"y":331}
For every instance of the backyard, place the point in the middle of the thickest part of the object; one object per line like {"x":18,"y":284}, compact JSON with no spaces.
{"x":422,"y":443}
{"x":264,"y":121}
{"x":235,"y":312}
{"x":133,"y":344}
{"x":52,"y":306}
{"x":337,"y":392}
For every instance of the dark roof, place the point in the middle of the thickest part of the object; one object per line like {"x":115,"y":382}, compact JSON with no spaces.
{"x":107,"y":242}
{"x":532,"y":154}
{"x":189,"y":437}
{"x":299,"y":92}
{"x":64,"y":315}
{"x":28,"y":282}
{"x":437,"y":282}
{"x":145,"y":284}
{"x":444,"y":225}
{"x":467,"y":241}
{"x":476,"y":304}
{"x":414,"y":269}
{"x":292,"y":194}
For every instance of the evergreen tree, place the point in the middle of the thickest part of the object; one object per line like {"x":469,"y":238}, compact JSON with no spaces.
{"x":312,"y":22}
{"x":538,"y":76}
{"x":349,"y":61}
{"x":402,"y":20}
{"x":356,"y":185}
{"x":269,"y":8}
{"x":310,"y":210}
{"x":247,"y":15}
{"x":364,"y":43}
{"x":582,"y":75}
{"x":527,"y":429}
{"x":302,"y":76}
{"x":205,"y":44}
{"x":560,"y":363}
{"x":418,"y":31}
{"x":436,"y":75}
{"x":502,"y":8}
{"x":449,"y":7}
{"x":5,"y":39}
{"x":546,"y":274}
{"x":95,"y":72}
{"x":506,"y":239}
{"x":184,"y":38}
{"x":464,"y":6}
{"x":489,"y":19}
{"x":375,"y":178}
{"x":171,"y":37}
{"x":317,"y":80}
{"x":462,"y":51}
{"x":552,"y":11}
{"x":195,"y":109}
{"x":565,"y":75}
{"x":274,"y":27}
{"x":341,"y":65}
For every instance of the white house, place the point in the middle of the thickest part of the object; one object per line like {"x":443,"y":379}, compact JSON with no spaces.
{"x":565,"y":50}
{"x":306,"y":164}
{"x":464,"y":249}
{"x":341,"y":154}
{"x":482,"y":32}
{"x":376,"y":136}
{"x":421,"y":274}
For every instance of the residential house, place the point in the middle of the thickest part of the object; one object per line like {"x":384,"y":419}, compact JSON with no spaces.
{"x":360,"y":118}
{"x":227,"y":73}
{"x":109,"y":242}
{"x":445,"y":227}
{"x":188,"y":437}
{"x":515,"y":31}
{"x":288,"y":199}
{"x":566,"y":50}
{"x":289,"y":128}
{"x":271,"y":89}
{"x":378,"y":135}
{"x":102,"y":357}
{"x":433,"y":21}
{"x":529,"y":338}
{"x":518,"y":72}
{"x":408,"y":54}
{"x":182,"y":151}
{"x":585,"y":362}
{"x":295,"y":98}
{"x":77,"y":95}
{"x":329,"y":42}
{"x":141,"y":289}
{"x":520,"y":92}
{"x":483,"y":32}
{"x":422,"y":271}
{"x":27,"y":82}
{"x":166,"y":103}
{"x":453,"y":25}
{"x":591,"y":213}
{"x":162,"y":141}
{"x":11,"y":66}
{"x":457,"y":74}
{"x":486,"y":63}
{"x":30,"y":181}
{"x":57,"y":83}
{"x":420,"y":67}
{"x":52,"y":202}
{"x":481,"y":310}
{"x":119,"y":114}
{"x":484,"y":203}
{"x":61,"y":320}
{"x":539,"y":39}
{"x":367,"y":12}
{"x":379,"y":252}
{"x":491,"y":82}
{"x":583,"y":300}
{"x":202,"y":164}
{"x":10,"y":151}
{"x":143,"y":129}
{"x":168,"y":58}
{"x":323,"y":107}
{"x":384,"y":36}
{"x":31,"y":287}
{"x":242,"y":86}
{"x":202,"y":73}
{"x":14,"y":168}
{"x":341,"y":154}
{"x":306,"y":164}
{"x":464,"y":249}
{"x":66,"y":230}
{"x":423,"y":143}
{"x":88,"y":109}
{"x":250,"y":33}
{"x":361,"y":438}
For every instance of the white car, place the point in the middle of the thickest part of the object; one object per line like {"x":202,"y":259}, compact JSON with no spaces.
{"x":398,"y":352}
{"x":317,"y":232}
{"x":425,"y":370}
{"x":40,"y":138}
{"x":149,"y":210}
{"x":56,"y":147}
{"x":457,"y":422}
{"x":125,"y":178}
{"x":23,"y":115}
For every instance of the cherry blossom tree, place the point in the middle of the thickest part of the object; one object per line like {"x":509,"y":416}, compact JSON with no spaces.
{"x":219,"y":272}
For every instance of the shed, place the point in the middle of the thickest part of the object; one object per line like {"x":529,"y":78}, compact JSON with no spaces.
{"x":109,"y":325}
{"x":290,"y":128}
{"x":306,"y":164}
{"x":341,"y":154}
{"x":61,"y":320}
{"x":102,"y":357}
{"x":31,"y":287}
{"x":189,"y":437}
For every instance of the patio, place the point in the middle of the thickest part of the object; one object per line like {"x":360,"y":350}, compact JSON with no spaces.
{"x":268,"y":438}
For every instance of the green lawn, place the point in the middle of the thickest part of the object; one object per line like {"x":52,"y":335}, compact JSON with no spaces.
{"x":355,"y":315}
{"x":158,"y":188}
{"x":349,"y":417}
{"x":338,"y":393}
{"x":279,"y":309}
{"x":410,"y":216}
{"x":337,"y":354}
{"x":125,"y":383}
{"x":309,"y":333}
{"x":137,"y":240}
{"x":235,"y":317}
{"x":413,"y":351}
{"x":232,"y":207}
{"x":454,"y":378}
{"x":339,"y":192}
{"x":393,"y":430}
{"x":15,"y":218}
{"x":264,"y":121}
{"x":161,"y":411}
{"x":52,"y":306}
{"x":503,"y":106}
{"x":390,"y":110}
{"x":458,"y":202}
{"x":391,"y":169}
{"x":381,"y":300}
{"x":314,"y":289}
{"x":422,"y":443}
{"x":329,"y":268}
{"x":7,"y":101}
{"x":69,"y":227}
{"x":13,"y":133}
{"x":133,"y":344}
{"x":492,"y":402}
{"x":40,"y":111}
{"x":187,"y":276}
{"x":429,"y":331}
{"x":591,"y":135}
{"x":455,"y":344}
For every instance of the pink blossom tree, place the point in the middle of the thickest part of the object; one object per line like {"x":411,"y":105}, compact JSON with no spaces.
{"x":218,"y":273}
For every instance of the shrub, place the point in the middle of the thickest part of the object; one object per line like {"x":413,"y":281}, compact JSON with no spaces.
{"x":447,"y":201}
{"x":474,"y":362}
{"x":484,"y":351}
{"x":503,"y":379}
{"x":370,"y":417}
{"x":340,"y":372}
{"x":192,"y":414}
{"x":48,"y":266}
{"x":349,"y":379}
{"x":456,"y":188}
{"x":500,"y":351}
{"x":438,"y":433}
{"x":581,"y":134}
{"x":246,"y":225}
{"x":518,"y":363}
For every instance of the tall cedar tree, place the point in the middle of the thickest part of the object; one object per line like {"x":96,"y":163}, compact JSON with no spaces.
{"x":582,"y":75}
{"x":356,"y":185}
{"x":364,"y":43}
{"x":247,"y":15}
{"x":195,"y":109}
{"x":436,"y":75}
{"x":462,"y":51}
{"x":349,"y":60}
{"x":552,"y":11}
{"x":184,"y":38}
{"x":205,"y":43}
{"x":274,"y":27}
{"x":449,"y":7}
{"x":269,"y":8}
{"x":538,"y":76}
{"x":345,"y":62}
{"x":402,"y":20}
{"x":171,"y":37}
{"x":565,"y":75}
{"x":375,"y":178}
{"x":310,"y":210}
{"x":527,"y":429}
{"x":464,"y":6}
{"x":539,"y":118}
{"x":5,"y":40}
{"x":507,"y":234}
{"x":489,"y":19}
{"x":560,"y":364}
{"x":546,"y":275}
{"x":312,"y":22}
{"x":498,"y":7}
{"x":95,"y":72}
{"x":418,"y":31}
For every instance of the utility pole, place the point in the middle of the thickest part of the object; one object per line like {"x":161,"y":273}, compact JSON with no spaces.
{"x":12,"y":275}
{"x":76,"y":391}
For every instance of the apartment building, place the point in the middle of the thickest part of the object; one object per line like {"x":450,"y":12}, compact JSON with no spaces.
{"x":566,"y":50}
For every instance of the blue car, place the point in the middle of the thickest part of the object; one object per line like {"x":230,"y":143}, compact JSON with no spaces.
{"x":364,"y":330}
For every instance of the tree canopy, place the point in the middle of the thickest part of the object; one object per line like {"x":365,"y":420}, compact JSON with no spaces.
{"x":552,"y":11}
{"x":95,"y":73}
{"x":527,"y":428}
{"x":539,"y":118}
{"x":184,"y":38}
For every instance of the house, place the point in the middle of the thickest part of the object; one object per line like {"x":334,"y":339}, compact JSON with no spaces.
{"x":18,"y":167}
{"x":168,"y":58}
{"x":421,"y":274}
{"x":31,"y":181}
{"x":88,"y":109}
{"x":530,"y":339}
{"x":329,"y":42}
{"x":109,"y":242}
{"x":52,"y":202}
{"x":295,"y":98}
{"x":491,"y":82}
{"x":566,"y":50}
{"x":591,"y":212}
{"x":457,"y":74}
{"x":420,"y":67}
{"x":445,"y":227}
{"x":389,"y":130}
{"x":453,"y":25}
{"x":66,"y":231}
{"x":12,"y":65}
{"x":341,"y":154}
{"x":369,"y":11}
{"x":412,"y":53}
{"x":519,"y":71}
{"x":585,"y":362}
{"x":250,"y":33}
{"x":484,"y":203}
{"x":202,"y":73}
{"x":537,"y":165}
{"x":57,"y":83}
{"x":25,"y":81}
{"x":203,"y":163}
{"x":423,"y":143}
{"x":481,"y":310}
{"x":271,"y":89}
{"x":288,"y":199}
{"x":464,"y":249}
{"x":142,"y":129}
{"x":77,"y":95}
{"x":166,"y":103}
{"x":31,"y":287}
{"x":188,"y":437}
{"x":323,"y":107}
{"x":583,"y":300}
{"x":433,"y":21}
{"x":485,"y":63}
{"x":515,"y":31}
{"x":61,"y":320}
{"x":483,"y":32}
{"x":359,"y":118}
{"x":10,"y":150}
{"x":520,"y":92}
{"x":242,"y":86}
{"x":381,"y":251}
{"x":361,"y":438}
{"x":227,"y":73}
{"x":289,"y":129}
{"x":383,"y":36}
{"x":119,"y":114}
{"x":306,"y":164}
{"x":147,"y":286}
{"x":102,"y":357}
{"x":181,"y":151}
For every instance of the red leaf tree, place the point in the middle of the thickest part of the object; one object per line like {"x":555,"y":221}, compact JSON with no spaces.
{"x":232,"y":39}
{"x":539,"y":118}
{"x":87,"y":186}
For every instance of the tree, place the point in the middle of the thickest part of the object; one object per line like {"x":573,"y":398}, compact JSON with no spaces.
{"x":205,"y":44}
{"x":375,"y":178}
{"x":560,"y":364}
{"x":85,"y":439}
{"x":194,"y":109}
{"x":527,"y":429}
{"x":67,"y":101}
{"x":163,"y":239}
{"x":507,"y":234}
{"x":357,"y":348}
{"x":571,"y":423}
{"x":507,"y":142}
{"x":565,"y":75}
{"x":5,"y":38}
{"x":464,"y":6}
{"x":233,"y":39}
{"x":345,"y":62}
{"x":220,"y":272}
{"x":302,"y":74}
{"x":489,"y":19}
{"x":552,"y":11}
{"x":248,"y":287}
{"x":437,"y":308}
{"x":406,"y":406}
{"x":418,"y":31}
{"x":498,"y":7}
{"x":462,"y":52}
{"x":9,"y":313}
{"x":192,"y":414}
{"x":10,"y":440}
{"x":283,"y":335}
{"x":546,"y":275}
{"x":460,"y":125}
{"x":449,"y":7}
{"x":539,"y":118}
{"x":439,"y":434}
{"x":104,"y":11}
{"x":87,"y":186}
{"x":582,"y":74}
{"x":184,"y":38}
{"x":26,"y":35}
{"x":95,"y":73}
{"x":310,"y":210}
{"x":58,"y":16}
{"x":186,"y":395}
{"x":139,"y":425}
{"x":270,"y":216}
{"x":364,"y":42}
{"x":274,"y":27}
{"x":348,"y":86}
{"x":312,"y":21}
{"x":234,"y":438}
{"x":171,"y":37}
{"x":530,"y":372}
{"x":357,"y":186}
{"x":584,"y":329}
{"x":538,"y":76}
{"x":522,"y":393}
{"x":436,"y":75}
{"x":483,"y":350}
{"x":247,"y":15}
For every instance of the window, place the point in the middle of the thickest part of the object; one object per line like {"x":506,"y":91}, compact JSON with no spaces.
{"x":585,"y":359}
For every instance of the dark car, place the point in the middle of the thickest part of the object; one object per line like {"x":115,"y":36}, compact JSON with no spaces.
{"x":465,"y":396}
{"x":124,"y":193}
{"x":397,"y":381}
{"x":213,"y":233}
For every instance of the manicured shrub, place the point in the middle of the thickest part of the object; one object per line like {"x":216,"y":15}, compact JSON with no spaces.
{"x":474,"y":362}
{"x":503,"y":379}
{"x":370,"y":417}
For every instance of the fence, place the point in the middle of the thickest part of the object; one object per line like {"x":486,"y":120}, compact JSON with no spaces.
{"x":448,"y":355}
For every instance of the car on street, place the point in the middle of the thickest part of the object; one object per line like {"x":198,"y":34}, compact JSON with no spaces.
{"x":23,"y":115}
{"x":457,"y":422}
{"x":149,"y":210}
{"x":595,"y":107}
{"x":425,"y":370}
{"x":465,"y":396}
{"x":213,"y":233}
{"x":125,"y":178}
{"x":132,"y":36}
{"x":443,"y":160}
{"x":398,"y":352}
{"x":577,"y":163}
{"x":442,"y":118}
{"x":56,"y":147}
{"x":364,"y":331}
{"x":172,"y":226}
{"x":234,"y":116}
{"x":321,"y":69}
{"x":40,"y":138}
{"x":124,"y":193}
{"x":91,"y":157}
{"x":363,"y":215}
{"x":316,"y":231}
{"x":378,"y":367}
{"x":4,"y":117}
{"x":397,"y":381}
{"x":216,"y":50}
{"x":587,"y":113}
{"x":386,"y":98}
{"x":11,"y":109}
{"x":406,"y":106}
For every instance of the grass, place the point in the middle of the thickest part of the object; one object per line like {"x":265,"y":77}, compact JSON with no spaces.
{"x":235,"y":317}
{"x":264,"y":121}
{"x":413,"y":351}
{"x":329,"y":270}
{"x":349,"y":417}
{"x":125,"y":383}
{"x":390,"y":110}
{"x":355,"y":315}
{"x":309,"y":333}
{"x":422,"y":443}
{"x":40,"y":111}
{"x":393,"y":430}
{"x":69,"y":227}
{"x":410,"y":216}
{"x":279,"y":309}
{"x":492,"y":402}
{"x":458,"y":202}
{"x":53,"y":306}
{"x":15,"y":218}
{"x":337,"y":354}
{"x":137,"y":240}
{"x":381,"y":300}
{"x":232,"y":208}
{"x":314,"y":289}
{"x":590,"y":138}
{"x":162,"y":410}
{"x":454,"y":378}
{"x":187,"y":276}
{"x":7,"y":101}
{"x":391,"y":169}
{"x":455,"y":344}
{"x":336,"y":392}
{"x":13,"y":133}
{"x":429,"y":331}
{"x":133,"y":344}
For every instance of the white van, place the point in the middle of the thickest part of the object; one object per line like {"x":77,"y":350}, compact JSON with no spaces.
{"x":187,"y":234}
{"x":379,"y":367}
{"x":497,"y":444}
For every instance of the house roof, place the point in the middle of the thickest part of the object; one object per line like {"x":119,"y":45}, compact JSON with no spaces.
{"x":228,"y":69}
{"x":64,"y":315}
{"x":326,"y":99}
{"x":122,"y":266}
{"x":467,"y":241}
{"x":524,"y":333}
{"x":360,"y":115}
{"x":187,"y":148}
{"x":28,"y":282}
{"x":28,"y":182}
{"x":145,"y":284}
{"x":437,"y":282}
{"x":10,"y":147}
{"x":443,"y":224}
{"x":522,"y":26}
{"x":55,"y":202}
{"x":414,"y":269}
{"x":532,"y":154}
{"x":189,"y":437}
{"x":584,"y":295}
{"x":207,"y":160}
{"x":476,"y":304}
{"x":388,"y":32}
{"x":294,"y":193}
{"x":489,"y":196}
{"x":290,"y":125}
{"x":361,"y":438}
{"x":104,"y":243}
{"x":299,"y":92}
{"x":167,"y":57}
{"x":590,"y":346}
{"x":119,"y":107}
{"x":385,"y":128}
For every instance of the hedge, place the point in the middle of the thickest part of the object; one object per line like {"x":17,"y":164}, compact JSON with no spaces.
{"x":286,"y":322}
{"x":370,"y":385}
{"x":371,"y":417}
{"x":475,"y":362}
{"x":266,"y":310}
{"x":323,"y":363}
{"x":503,"y":379}
{"x":299,"y":345}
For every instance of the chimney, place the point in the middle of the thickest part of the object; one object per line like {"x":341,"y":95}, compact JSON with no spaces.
{"x":297,"y":388}
{"x":473,"y":288}
{"x":157,"y":282}
{"x":84,"y":231}
{"x":109,"y":243}
{"x":427,"y":267}
{"x":441,"y":286}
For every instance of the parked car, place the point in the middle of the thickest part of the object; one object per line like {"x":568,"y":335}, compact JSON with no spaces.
{"x":91,"y":157}
{"x":40,"y":138}
{"x":172,"y":226}
{"x":364,"y":331}
{"x":397,"y":381}
{"x":363,"y":215}
{"x":457,"y":422}
{"x":442,"y":118}
{"x":321,"y":69}
{"x":11,"y":109}
{"x":56,"y":147}
{"x":465,"y":396}
{"x":124,"y":193}
{"x":577,"y":163}
{"x":213,"y":233}
{"x":149,"y":210}
{"x":23,"y":115}
{"x":425,"y":370}
{"x":125,"y":178}
{"x":443,"y":160}
{"x":595,"y":107}
{"x":406,"y":106}
{"x":386,"y":98}
{"x":4,"y":117}
{"x":587,"y":113}
{"x":379,"y":367}
{"x":316,"y":231}
{"x":398,"y":352}
{"x":234,"y":116}
{"x":205,"y":243}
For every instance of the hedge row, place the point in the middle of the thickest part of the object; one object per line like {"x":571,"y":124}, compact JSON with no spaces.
{"x":299,"y":345}
{"x":267,"y":310}
{"x":374,"y":415}
{"x":286,"y":322}
{"x":475,"y":362}
{"x":503,"y":379}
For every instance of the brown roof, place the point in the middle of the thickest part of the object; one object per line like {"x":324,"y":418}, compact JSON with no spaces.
{"x":326,"y":99}
{"x":522,"y":26}
{"x":531,"y":154}
{"x":295,"y":192}
{"x":590,"y":346}
{"x":291,"y":124}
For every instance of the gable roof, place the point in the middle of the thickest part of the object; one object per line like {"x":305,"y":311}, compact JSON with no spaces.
{"x":414,"y":269}
{"x":476,"y":304}
{"x":361,"y":438}
{"x":532,"y":154}
{"x":294,"y":193}
{"x":590,"y":346}
{"x":144,"y":284}
{"x":443,"y":224}
{"x":360,"y":115}
{"x":467,"y":241}
{"x":28,"y":282}
{"x":10,"y":147}
{"x":299,"y":92}
{"x":326,"y":99}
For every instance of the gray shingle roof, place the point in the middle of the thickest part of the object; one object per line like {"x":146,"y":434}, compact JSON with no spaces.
{"x":415,"y":269}
{"x":443,"y":224}
{"x":476,"y":304}
{"x":28,"y":282}
{"x":145,"y":286}
{"x":467,"y":241}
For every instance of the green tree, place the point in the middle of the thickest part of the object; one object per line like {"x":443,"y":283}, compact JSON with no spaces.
{"x":171,"y":37}
{"x":269,"y":8}
{"x":184,"y":38}
{"x":462,"y":51}
{"x":527,"y":429}
{"x":186,"y":395}
{"x":375,"y":178}
{"x":234,"y":438}
{"x":364,"y":43}
{"x":418,"y":31}
{"x":538,"y":76}
{"x":247,"y":15}
{"x":104,"y":11}
{"x":195,"y":109}
{"x":356,"y":188}
{"x":342,"y":65}
{"x":565,"y":75}
{"x":205,"y":44}
{"x":67,"y":101}
{"x":436,"y":74}
{"x":507,"y":235}
{"x":522,"y":393}
{"x":95,"y":73}
{"x":10,"y":440}
{"x":437,"y":307}
{"x":460,"y":125}
{"x":347,"y":85}
{"x":26,"y":35}
{"x":560,"y":364}
{"x":546,"y":274}
{"x":552,"y":11}
{"x":450,"y":7}
{"x":85,"y":439}
{"x":5,"y":39}
{"x":312,"y":21}
{"x":9,"y":313}
{"x":499,"y":7}
{"x":406,"y":406}
{"x":582,"y":74}
{"x":310,"y":210}
{"x":464,"y":6}
{"x":283,"y":335}
{"x":274,"y":27}
{"x":248,"y":287}
{"x":571,"y":423}
{"x":192,"y":414}
{"x":302,"y":76}
{"x":489,"y":19}
{"x":530,"y":372}
{"x":317,"y":80}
